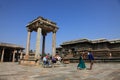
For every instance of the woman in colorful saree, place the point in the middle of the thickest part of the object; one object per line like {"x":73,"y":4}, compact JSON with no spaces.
{"x":81,"y":64}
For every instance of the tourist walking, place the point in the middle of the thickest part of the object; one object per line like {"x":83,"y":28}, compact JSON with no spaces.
{"x":91,"y":59}
{"x":81,"y":64}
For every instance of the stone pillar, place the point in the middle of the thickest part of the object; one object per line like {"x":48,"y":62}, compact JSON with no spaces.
{"x":13,"y":59}
{"x":21,"y":54}
{"x":2,"y":57}
{"x":43,"y":44}
{"x":37,"y":53}
{"x":28,"y":43}
{"x":54,"y":43}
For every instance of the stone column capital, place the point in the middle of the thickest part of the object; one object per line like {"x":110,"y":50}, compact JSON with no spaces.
{"x":55,"y":30}
{"x":44,"y":33}
{"x":29,"y":30}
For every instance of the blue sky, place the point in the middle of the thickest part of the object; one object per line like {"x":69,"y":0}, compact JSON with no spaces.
{"x":91,"y":19}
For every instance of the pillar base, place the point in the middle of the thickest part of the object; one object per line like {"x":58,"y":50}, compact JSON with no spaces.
{"x":26,"y":57}
{"x":30,"y":60}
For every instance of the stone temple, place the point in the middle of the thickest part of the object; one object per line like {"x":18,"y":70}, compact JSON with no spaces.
{"x":101,"y":48}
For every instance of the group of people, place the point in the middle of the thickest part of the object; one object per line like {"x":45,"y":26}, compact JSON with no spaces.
{"x":81,"y":64}
{"x":47,"y":60}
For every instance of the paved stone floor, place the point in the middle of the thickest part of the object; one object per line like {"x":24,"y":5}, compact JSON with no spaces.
{"x":100,"y":71}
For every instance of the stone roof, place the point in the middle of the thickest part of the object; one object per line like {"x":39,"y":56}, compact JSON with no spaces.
{"x":115,"y":41}
{"x":42,"y":20}
{"x":10,"y":45}
{"x":90,"y":41}
{"x":75,"y":41}
{"x":99,"y":41}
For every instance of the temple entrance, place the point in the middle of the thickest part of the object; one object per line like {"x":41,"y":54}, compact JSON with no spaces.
{"x":8,"y":55}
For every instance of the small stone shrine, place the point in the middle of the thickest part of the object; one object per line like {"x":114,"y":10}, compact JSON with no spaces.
{"x":42,"y":26}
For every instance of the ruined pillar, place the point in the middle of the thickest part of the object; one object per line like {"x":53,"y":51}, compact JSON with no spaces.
{"x":37,"y":53}
{"x":28,"y":42}
{"x":2,"y":57}
{"x":54,"y":43}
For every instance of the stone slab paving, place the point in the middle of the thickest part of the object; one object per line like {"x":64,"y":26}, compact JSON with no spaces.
{"x":100,"y":71}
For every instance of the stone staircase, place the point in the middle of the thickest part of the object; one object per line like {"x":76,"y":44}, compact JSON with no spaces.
{"x":29,"y":60}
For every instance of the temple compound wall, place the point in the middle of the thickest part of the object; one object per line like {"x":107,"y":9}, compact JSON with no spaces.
{"x":10,"y":52}
{"x":100,"y":47}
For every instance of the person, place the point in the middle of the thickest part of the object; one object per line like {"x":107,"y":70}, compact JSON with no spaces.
{"x":54,"y":59}
{"x":91,"y":59}
{"x":44,"y":60}
{"x":81,"y":64}
{"x":58,"y":58}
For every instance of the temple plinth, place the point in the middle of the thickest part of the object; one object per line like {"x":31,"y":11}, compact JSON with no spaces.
{"x":42,"y":26}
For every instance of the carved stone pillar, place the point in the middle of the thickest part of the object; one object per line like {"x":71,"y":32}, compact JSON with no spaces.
{"x":54,"y":43}
{"x":37,"y":53}
{"x":2,"y":57}
{"x":28,"y":42}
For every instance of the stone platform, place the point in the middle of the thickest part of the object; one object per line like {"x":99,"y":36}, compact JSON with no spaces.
{"x":100,"y":71}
